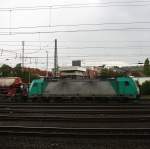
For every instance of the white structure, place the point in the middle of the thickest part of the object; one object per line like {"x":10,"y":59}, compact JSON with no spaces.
{"x":141,"y":80}
{"x":72,"y":71}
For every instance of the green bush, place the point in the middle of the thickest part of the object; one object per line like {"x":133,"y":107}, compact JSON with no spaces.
{"x":145,"y":88}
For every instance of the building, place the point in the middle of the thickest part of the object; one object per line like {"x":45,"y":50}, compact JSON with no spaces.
{"x":141,"y":80}
{"x":72,"y":72}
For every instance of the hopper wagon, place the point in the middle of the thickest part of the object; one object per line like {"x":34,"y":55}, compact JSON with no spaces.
{"x":11,"y":88}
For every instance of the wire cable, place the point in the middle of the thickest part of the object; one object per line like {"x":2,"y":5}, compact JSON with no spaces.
{"x":78,"y":30}
{"x":83,"y":5}
{"x":74,"y":25}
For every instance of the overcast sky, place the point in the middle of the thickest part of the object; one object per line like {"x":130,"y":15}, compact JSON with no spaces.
{"x":112,"y":32}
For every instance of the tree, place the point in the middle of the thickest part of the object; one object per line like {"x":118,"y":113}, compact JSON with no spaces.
{"x":18,"y":66}
{"x":147,"y":67}
{"x":105,"y":73}
{"x":145,"y":88}
{"x":6,"y":71}
{"x":26,"y":75}
{"x":17,"y":70}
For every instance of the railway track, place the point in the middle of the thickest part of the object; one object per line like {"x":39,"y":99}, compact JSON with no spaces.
{"x":68,"y":100}
{"x":72,"y":106}
{"x":79,"y":132}
{"x":46,"y":106}
{"x":103,"y":122}
{"x":84,"y":110}
{"x":76,"y":118}
{"x":57,"y":125}
{"x":103,"y":118}
{"x":143,"y":102}
{"x":73,"y":110}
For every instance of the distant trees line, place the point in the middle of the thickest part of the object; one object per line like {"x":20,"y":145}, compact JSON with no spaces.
{"x":17,"y":71}
{"x":145,"y":88}
{"x":146,"y":68}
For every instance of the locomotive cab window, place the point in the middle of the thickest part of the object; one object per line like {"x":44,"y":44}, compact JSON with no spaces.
{"x":126,"y":83}
{"x":35,"y":85}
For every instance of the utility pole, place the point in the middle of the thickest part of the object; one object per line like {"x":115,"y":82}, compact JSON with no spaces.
{"x":22,"y":55}
{"x":55,"y":59}
{"x":46,"y":63}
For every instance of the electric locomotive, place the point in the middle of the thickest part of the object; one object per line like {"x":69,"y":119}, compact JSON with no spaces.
{"x":84,"y":89}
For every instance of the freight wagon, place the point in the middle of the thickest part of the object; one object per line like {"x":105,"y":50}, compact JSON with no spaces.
{"x":11,"y":88}
{"x":84,"y":89}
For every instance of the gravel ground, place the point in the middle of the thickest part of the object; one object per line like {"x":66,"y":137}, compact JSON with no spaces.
{"x":20,"y":142}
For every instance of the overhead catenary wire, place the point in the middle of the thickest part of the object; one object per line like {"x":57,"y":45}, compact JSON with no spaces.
{"x":10,"y":28}
{"x":70,"y":41}
{"x":8,"y":51}
{"x":15,"y":51}
{"x":87,"y":59}
{"x":70,"y":56}
{"x":78,"y":30}
{"x":72,"y":25}
{"x":42,"y":47}
{"x":81,"y":5}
